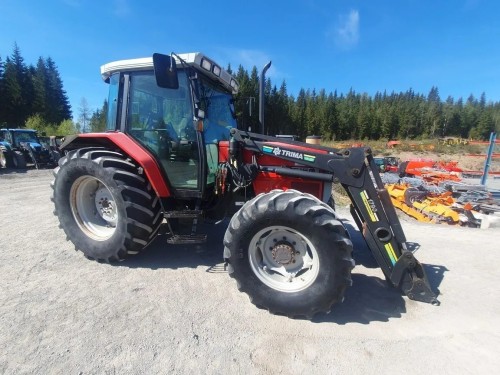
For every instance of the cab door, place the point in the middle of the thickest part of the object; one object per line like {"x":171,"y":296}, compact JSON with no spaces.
{"x":162,"y":120}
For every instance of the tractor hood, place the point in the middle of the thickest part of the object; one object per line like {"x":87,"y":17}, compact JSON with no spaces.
{"x":35,"y":146}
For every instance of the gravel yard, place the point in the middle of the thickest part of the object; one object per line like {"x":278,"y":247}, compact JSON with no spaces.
{"x":173,"y":309}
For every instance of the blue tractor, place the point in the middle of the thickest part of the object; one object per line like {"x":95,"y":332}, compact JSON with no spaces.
{"x":20,"y":147}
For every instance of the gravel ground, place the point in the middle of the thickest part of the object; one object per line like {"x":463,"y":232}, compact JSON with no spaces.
{"x":175,"y":310}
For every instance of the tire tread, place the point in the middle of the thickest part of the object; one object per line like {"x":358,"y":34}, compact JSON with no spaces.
{"x":292,"y":202}
{"x":144,"y":213}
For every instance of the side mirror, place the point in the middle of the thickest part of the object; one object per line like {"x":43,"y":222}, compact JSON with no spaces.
{"x":200,"y":113}
{"x":165,"y":71}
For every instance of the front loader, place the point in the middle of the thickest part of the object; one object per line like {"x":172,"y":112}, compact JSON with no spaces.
{"x":173,"y":154}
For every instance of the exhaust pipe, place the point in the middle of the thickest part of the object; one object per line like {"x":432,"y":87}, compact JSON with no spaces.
{"x":261,"y":94}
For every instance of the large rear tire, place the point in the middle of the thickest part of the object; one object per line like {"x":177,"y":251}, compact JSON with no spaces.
{"x":289,"y":252}
{"x":104,"y":206}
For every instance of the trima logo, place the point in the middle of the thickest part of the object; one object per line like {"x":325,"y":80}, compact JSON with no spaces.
{"x":288,"y":153}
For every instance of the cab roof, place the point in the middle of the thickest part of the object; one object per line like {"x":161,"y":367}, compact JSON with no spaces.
{"x":196,"y":60}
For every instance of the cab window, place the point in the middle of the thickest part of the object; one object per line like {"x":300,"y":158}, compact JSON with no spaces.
{"x":218,"y":106}
{"x":162,"y":120}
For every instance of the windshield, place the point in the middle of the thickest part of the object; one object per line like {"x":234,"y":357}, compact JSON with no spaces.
{"x":219,"y":111}
{"x":153,"y":107}
{"x":25,"y":137}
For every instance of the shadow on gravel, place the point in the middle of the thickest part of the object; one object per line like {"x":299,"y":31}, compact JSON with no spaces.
{"x":361,"y":253}
{"x":160,"y":254}
{"x":435,"y":275}
{"x":363,"y":256}
{"x":370,"y":299}
{"x":7,"y":172}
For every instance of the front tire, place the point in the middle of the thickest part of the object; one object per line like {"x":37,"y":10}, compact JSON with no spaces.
{"x":3,"y":160}
{"x":55,"y":156}
{"x":104,"y":206}
{"x":289,"y":253}
{"x":18,"y":160}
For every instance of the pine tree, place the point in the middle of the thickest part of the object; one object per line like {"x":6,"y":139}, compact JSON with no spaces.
{"x":330,"y":124}
{"x":365,"y":117}
{"x":57,"y":103}
{"x":85,"y":116}
{"x":485,"y":126}
{"x":470,"y":117}
{"x":27,"y":91}
{"x":98,"y":119}
{"x":284,"y":123}
{"x":299,"y":114}
{"x":17,"y":89}
{"x":434,"y":112}
{"x":39,"y":77}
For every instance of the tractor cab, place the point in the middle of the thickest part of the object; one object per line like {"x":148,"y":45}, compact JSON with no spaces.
{"x":178,"y":108}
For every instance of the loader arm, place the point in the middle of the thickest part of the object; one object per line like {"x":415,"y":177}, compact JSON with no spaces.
{"x":371,"y":207}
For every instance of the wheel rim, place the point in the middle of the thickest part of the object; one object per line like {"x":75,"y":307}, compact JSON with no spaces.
{"x":3,"y":161}
{"x":94,"y":208}
{"x":283,"y":259}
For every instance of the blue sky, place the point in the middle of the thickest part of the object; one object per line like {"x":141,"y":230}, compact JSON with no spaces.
{"x":367,"y":45}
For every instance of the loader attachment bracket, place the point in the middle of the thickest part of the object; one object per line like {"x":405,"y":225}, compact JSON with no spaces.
{"x":409,"y":274}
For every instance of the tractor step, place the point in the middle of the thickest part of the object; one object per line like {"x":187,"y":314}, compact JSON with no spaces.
{"x":189,"y":239}
{"x":187,"y":214}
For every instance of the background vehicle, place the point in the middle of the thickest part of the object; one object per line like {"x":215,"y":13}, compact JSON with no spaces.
{"x":172,"y":151}
{"x":53,"y":144}
{"x":22,"y":146}
{"x":380,"y":163}
{"x":391,"y":164}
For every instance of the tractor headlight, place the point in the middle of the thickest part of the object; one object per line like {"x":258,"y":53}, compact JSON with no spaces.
{"x":216,"y":70}
{"x":206,"y":64}
{"x":234,"y":85}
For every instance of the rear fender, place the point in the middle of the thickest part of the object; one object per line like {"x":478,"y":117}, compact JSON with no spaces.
{"x":129,"y":147}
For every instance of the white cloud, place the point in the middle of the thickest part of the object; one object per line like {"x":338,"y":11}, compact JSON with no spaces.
{"x":345,"y":33}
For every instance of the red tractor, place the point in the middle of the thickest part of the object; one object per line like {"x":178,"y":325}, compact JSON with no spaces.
{"x":172,"y":153}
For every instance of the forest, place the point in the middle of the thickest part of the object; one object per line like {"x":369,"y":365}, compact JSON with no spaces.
{"x":334,"y":116}
{"x":33,"y":96}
